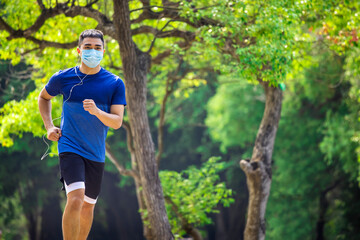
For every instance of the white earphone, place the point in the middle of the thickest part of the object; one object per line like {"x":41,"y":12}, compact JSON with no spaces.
{"x":78,"y":84}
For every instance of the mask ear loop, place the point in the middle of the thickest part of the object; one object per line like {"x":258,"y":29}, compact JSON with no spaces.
{"x":43,"y":137}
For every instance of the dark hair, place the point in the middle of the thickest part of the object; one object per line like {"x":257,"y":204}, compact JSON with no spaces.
{"x":91,"y":33}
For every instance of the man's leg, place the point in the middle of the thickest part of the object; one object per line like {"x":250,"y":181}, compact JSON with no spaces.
{"x":93,"y":176}
{"x":86,"y":219}
{"x":71,"y":216}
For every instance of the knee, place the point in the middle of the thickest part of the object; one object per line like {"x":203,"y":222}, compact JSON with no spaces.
{"x":87,"y":208}
{"x":75,"y":203}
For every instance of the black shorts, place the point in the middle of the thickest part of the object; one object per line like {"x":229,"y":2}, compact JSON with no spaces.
{"x":82,"y":173}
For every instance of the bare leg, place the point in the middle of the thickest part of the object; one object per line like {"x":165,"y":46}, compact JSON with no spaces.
{"x":71,"y":216}
{"x":86,"y":219}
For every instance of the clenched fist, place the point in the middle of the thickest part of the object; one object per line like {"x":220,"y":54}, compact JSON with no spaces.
{"x":90,"y":106}
{"x":54,"y":133}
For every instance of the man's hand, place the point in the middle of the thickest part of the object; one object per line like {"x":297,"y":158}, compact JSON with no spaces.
{"x":90,"y":106}
{"x":54,"y":133}
{"x":112,"y":119}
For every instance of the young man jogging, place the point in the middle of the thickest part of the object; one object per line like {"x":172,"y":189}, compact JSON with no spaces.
{"x":93,"y":101}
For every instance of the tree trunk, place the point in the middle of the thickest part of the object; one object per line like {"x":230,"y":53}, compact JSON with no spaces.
{"x":135,"y":65}
{"x":323,"y":207}
{"x":258,"y":169}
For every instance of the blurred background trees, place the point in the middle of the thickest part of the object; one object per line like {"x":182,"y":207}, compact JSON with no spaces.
{"x":205,"y":102}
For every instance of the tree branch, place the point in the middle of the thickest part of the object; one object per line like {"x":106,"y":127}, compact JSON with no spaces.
{"x":43,"y":43}
{"x":91,"y":3}
{"x":172,"y":11}
{"x":6,"y":27}
{"x":170,"y":87}
{"x":154,"y":6}
{"x":61,"y":8}
{"x":186,"y":35}
{"x":104,"y":23}
{"x":30,"y":50}
{"x":41,"y":4}
{"x":147,"y":14}
{"x":26,"y":34}
{"x":166,"y":53}
{"x":185,"y":225}
{"x":120,"y":168}
{"x":130,"y":145}
{"x":46,"y":14}
{"x":158,"y":59}
{"x":169,"y":90}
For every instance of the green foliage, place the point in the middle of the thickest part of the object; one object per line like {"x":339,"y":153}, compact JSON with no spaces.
{"x":314,"y":145}
{"x":12,"y":219}
{"x":247,"y":41}
{"x":250,"y":39}
{"x":24,"y":191}
{"x":47,"y":61}
{"x":234,"y":114}
{"x":299,"y":176}
{"x":313,"y":151}
{"x":337,"y":144}
{"x":352,"y":73}
{"x":194,"y":194}
{"x":20,"y":117}
{"x":338,"y":24}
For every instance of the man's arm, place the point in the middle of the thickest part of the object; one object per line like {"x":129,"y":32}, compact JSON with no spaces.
{"x":44,"y":101}
{"x":113,"y":119}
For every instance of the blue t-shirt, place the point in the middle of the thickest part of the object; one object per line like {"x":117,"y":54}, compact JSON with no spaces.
{"x":83,"y":133}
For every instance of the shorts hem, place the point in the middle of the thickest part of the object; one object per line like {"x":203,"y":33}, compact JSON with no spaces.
{"x":74,"y":186}
{"x":89,"y":200}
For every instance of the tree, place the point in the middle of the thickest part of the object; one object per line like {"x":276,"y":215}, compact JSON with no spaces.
{"x":264,"y":62}
{"x":309,"y":191}
{"x":253,"y":45}
{"x":193,"y":194}
{"x":264,"y":51}
{"x":136,"y":65}
{"x":240,"y":38}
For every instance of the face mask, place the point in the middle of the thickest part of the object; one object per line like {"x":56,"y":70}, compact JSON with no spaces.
{"x":91,"y":57}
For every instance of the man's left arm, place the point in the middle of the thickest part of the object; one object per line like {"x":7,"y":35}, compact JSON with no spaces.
{"x":113,"y":119}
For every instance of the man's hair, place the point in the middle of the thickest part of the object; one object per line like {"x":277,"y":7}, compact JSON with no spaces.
{"x":91,"y":33}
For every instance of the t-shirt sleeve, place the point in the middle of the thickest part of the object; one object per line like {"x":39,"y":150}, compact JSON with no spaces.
{"x":53,"y":87}
{"x":119,"y":93}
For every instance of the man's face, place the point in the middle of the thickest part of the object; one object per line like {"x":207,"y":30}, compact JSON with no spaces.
{"x":91,"y":43}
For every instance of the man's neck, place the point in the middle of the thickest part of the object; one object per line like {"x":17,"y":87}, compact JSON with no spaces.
{"x":89,"y":71}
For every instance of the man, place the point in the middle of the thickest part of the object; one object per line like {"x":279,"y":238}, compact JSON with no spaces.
{"x":93,"y":101}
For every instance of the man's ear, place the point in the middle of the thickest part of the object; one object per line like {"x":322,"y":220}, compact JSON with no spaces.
{"x":78,"y":50}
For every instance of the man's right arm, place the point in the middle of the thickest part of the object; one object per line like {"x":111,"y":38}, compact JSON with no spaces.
{"x":44,"y":101}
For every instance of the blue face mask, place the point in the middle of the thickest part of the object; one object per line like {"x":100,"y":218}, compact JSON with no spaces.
{"x":91,"y":57}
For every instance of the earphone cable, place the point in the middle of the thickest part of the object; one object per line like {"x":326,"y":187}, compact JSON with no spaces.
{"x":78,"y":84}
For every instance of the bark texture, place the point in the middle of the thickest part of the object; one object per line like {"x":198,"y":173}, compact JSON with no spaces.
{"x":135,"y":65}
{"x":258,"y":168}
